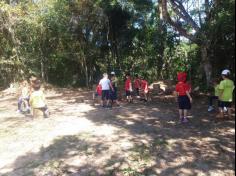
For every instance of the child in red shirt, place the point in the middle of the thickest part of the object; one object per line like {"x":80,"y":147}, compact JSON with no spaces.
{"x":184,"y":97}
{"x":98,"y":92}
{"x":144,"y":88}
{"x":137,"y":84}
{"x":128,"y":89}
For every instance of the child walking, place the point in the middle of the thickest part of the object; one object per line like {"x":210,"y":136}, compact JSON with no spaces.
{"x":216,"y":86}
{"x":144,"y":88}
{"x":226,"y":89}
{"x":114,"y":94}
{"x":137,"y":85}
{"x":24,"y":97}
{"x":184,"y":97}
{"x":128,"y":88}
{"x":37,"y":99}
{"x":106,"y":85}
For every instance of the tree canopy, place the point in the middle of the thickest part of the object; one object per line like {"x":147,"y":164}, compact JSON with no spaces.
{"x":73,"y":42}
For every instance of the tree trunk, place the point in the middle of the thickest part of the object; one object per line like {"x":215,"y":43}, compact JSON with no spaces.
{"x":42,"y":69}
{"x":206,"y":64}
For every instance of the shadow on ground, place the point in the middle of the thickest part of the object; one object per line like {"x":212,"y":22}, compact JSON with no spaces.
{"x":160,"y":145}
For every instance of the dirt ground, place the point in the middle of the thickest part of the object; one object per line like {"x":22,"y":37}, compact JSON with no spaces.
{"x":135,"y":140}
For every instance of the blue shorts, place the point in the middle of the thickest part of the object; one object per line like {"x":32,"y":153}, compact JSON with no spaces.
{"x":105,"y":94}
{"x":128,"y":93}
{"x":184,"y":103}
{"x":223,"y":104}
{"x":113,"y":94}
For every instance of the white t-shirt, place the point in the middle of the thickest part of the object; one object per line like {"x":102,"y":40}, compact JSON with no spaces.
{"x":105,"y":83}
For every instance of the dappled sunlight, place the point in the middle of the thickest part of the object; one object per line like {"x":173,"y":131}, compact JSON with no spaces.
{"x":83,"y":139}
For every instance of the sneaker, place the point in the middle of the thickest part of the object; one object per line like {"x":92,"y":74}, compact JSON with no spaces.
{"x":210,"y":109}
{"x":225,"y":109}
{"x":181,"y":120}
{"x":185,"y":120}
{"x":46,"y":114}
{"x":18,"y":111}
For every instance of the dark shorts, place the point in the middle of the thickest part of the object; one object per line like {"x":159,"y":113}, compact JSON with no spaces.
{"x":113,"y":94}
{"x":223,"y":104}
{"x":137,"y":91}
{"x":105,"y":95}
{"x":128,"y":93}
{"x":184,"y":102}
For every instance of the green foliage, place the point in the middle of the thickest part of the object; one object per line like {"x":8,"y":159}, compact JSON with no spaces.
{"x":74,"y":42}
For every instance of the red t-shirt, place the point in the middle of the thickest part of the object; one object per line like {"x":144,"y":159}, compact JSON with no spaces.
{"x":182,"y":88}
{"x":144,"y":86}
{"x":137,"y":83}
{"x":99,"y":90}
{"x":128,"y":84}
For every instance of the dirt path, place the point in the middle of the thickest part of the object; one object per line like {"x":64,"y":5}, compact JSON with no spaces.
{"x":134,"y":140}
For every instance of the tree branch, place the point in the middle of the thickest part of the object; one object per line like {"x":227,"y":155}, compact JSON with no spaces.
{"x":178,"y":27}
{"x":180,"y":10}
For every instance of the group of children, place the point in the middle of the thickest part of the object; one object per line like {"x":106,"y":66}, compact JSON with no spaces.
{"x":33,"y":97}
{"x":223,"y":93}
{"x":107,"y":89}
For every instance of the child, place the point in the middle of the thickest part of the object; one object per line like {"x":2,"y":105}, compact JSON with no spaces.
{"x":215,"y":96}
{"x":128,"y":88}
{"x":144,"y":88}
{"x":24,"y":97}
{"x":226,"y":89}
{"x":98,"y":92}
{"x":137,"y":85}
{"x":106,"y":85}
{"x":113,"y":94}
{"x":37,"y":99}
{"x":184,"y":97}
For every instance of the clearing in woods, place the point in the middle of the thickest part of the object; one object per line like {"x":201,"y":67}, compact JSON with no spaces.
{"x":138,"y":139}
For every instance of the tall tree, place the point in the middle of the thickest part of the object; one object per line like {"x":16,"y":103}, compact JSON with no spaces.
{"x":190,"y":28}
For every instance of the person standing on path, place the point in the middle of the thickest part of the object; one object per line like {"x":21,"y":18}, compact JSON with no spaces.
{"x":113,"y":94}
{"x":106,"y":87}
{"x":226,"y":89}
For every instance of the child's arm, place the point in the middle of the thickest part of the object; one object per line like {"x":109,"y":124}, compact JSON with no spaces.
{"x":131,"y":88}
{"x":111,"y":87}
{"x":189,"y":96}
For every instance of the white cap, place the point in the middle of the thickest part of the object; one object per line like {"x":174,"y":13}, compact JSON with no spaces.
{"x":225,"y":72}
{"x":113,"y":73}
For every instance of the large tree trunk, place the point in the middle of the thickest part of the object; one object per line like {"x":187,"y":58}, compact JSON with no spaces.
{"x":206,"y":63}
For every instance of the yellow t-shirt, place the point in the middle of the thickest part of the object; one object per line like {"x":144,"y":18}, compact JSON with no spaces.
{"x":217,"y":90}
{"x":227,"y":88}
{"x":37,"y":99}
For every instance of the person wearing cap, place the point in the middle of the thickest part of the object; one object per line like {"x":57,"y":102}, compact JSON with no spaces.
{"x":226,"y":89}
{"x":113,"y":94}
{"x":183,"y":95}
{"x":215,"y":96}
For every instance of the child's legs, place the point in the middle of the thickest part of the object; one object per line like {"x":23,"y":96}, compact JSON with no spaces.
{"x":185,"y":113}
{"x":221,"y":109}
{"x":211,"y":99}
{"x":19,"y":103}
{"x":181,"y":113}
